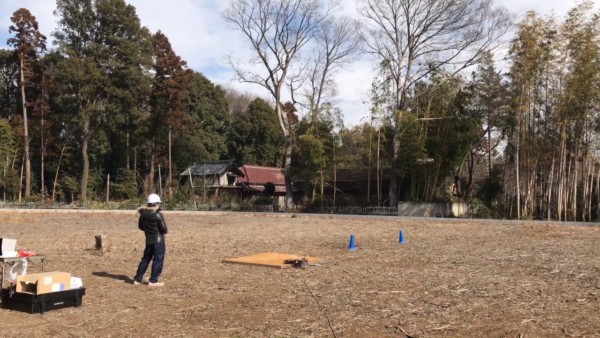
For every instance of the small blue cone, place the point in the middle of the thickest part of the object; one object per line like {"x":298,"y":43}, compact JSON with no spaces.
{"x":351,"y":246}
{"x":401,"y":240}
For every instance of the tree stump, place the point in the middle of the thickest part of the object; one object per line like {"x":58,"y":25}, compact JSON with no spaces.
{"x":101,"y":243}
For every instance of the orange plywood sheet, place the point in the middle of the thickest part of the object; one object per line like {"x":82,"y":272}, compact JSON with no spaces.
{"x":270,"y":259}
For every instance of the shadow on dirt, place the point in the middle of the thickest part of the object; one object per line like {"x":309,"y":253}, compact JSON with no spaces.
{"x":110,"y":275}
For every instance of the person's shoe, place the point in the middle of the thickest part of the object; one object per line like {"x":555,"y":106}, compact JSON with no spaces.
{"x":156,"y":284}
{"x":136,"y":282}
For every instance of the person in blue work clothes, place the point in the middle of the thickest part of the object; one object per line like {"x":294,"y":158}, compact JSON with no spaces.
{"x":153,"y":224}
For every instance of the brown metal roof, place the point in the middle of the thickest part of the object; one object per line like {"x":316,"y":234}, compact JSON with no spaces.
{"x":257,"y":175}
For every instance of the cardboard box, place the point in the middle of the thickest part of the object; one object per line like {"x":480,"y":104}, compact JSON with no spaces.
{"x":8,"y":247}
{"x":45,"y":282}
{"x":40,"y":303}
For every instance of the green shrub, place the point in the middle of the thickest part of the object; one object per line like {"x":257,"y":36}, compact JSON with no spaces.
{"x":480,"y":210}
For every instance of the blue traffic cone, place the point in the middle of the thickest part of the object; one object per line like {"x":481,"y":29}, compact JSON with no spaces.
{"x":351,"y":246}
{"x":401,"y":240}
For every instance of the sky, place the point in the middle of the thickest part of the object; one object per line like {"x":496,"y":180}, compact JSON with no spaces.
{"x":200,"y":36}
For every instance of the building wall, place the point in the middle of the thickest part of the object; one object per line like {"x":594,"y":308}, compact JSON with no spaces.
{"x":417,"y":209}
{"x":209,"y":181}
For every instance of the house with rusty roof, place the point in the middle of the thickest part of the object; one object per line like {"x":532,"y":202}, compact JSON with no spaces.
{"x":256,"y":178}
{"x":217,"y":177}
{"x":213,"y":176}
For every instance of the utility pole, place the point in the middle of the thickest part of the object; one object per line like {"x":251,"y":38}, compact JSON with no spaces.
{"x":169,"y":181}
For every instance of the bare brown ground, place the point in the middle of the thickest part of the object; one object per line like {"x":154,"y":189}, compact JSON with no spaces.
{"x":449,"y":279}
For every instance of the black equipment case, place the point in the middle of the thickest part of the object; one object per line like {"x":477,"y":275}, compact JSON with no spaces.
{"x":40,"y":303}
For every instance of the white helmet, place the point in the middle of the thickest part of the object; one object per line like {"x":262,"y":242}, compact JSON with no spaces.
{"x":153,"y":198}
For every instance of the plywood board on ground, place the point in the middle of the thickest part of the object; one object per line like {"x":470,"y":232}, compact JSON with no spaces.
{"x":270,"y":259}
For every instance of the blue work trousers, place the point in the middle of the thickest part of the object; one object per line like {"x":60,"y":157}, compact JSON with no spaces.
{"x":154,"y":253}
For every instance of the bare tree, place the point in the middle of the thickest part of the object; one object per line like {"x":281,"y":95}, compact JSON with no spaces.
{"x":238,"y":101}
{"x":412,"y":38}
{"x":335,"y":46}
{"x":277,"y":30}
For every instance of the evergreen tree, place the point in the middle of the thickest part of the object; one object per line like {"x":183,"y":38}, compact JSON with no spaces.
{"x":94,"y":37}
{"x":8,"y":150}
{"x":128,"y":47}
{"x":484,"y":101}
{"x":313,"y":156}
{"x":9,"y":75}
{"x":207,"y":105}
{"x":310,"y":163}
{"x":255,"y":137}
{"x":28,"y":43}
{"x":170,"y":87}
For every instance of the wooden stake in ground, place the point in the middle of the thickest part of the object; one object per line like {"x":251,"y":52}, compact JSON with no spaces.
{"x":101,"y":243}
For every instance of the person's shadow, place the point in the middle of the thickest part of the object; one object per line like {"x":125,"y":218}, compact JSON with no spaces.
{"x":110,"y":275}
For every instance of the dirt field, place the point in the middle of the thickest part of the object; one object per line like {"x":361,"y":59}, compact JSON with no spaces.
{"x":449,"y":279}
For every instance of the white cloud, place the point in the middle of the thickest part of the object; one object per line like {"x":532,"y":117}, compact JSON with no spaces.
{"x":542,"y":7}
{"x":200,"y":36}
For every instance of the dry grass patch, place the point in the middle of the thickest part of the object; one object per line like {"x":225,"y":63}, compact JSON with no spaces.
{"x":464,"y":278}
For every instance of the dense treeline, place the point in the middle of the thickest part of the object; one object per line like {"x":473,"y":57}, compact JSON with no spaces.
{"x":111,"y":104}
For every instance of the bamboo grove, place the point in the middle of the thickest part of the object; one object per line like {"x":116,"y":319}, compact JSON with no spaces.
{"x":109,"y":108}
